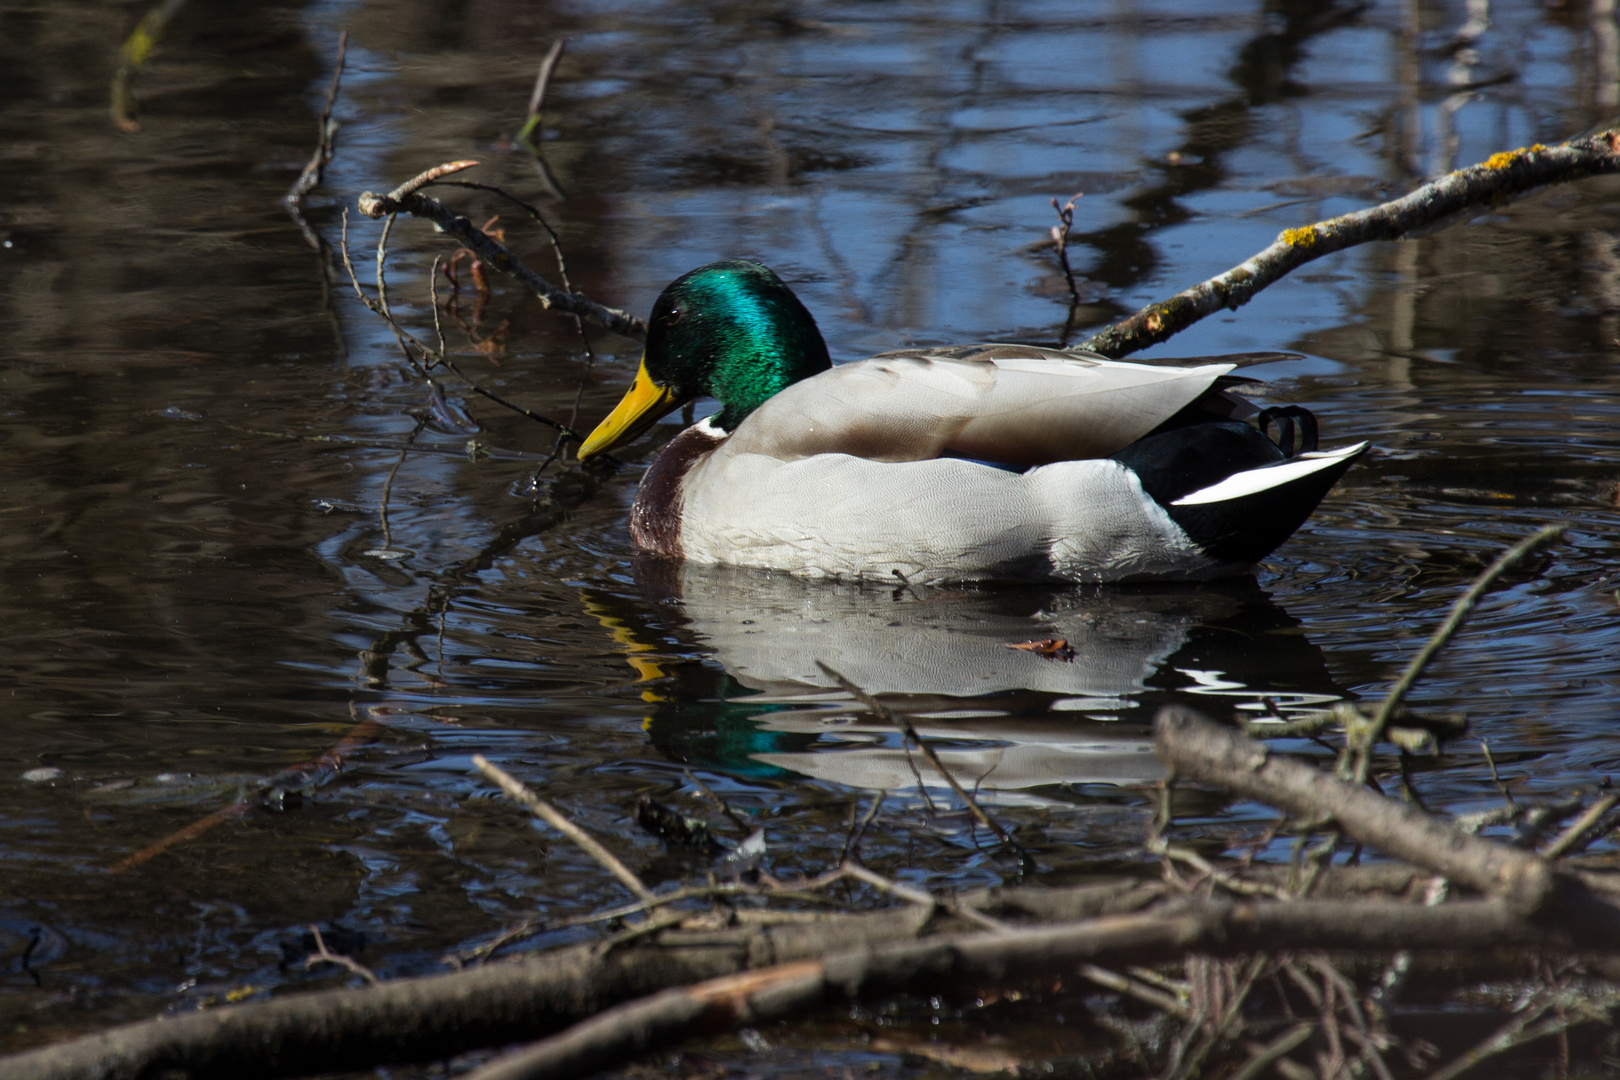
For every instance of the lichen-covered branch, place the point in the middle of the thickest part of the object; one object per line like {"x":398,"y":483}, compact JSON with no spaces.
{"x":1493,"y":183}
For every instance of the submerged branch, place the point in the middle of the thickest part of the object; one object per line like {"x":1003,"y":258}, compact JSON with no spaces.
{"x":309,"y":774}
{"x":132,"y":56}
{"x":1491,"y":184}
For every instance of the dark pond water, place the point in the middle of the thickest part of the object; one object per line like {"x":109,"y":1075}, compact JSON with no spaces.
{"x":201,"y":429}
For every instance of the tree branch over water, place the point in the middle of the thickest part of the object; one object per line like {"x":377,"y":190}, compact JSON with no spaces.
{"x":1492,"y":184}
{"x":409,"y":200}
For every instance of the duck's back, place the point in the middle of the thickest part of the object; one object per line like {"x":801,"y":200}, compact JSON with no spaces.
{"x":1018,"y":405}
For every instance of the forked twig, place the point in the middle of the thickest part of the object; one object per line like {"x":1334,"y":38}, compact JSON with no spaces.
{"x":437,"y":358}
{"x":323,"y":955}
{"x":407,"y":199}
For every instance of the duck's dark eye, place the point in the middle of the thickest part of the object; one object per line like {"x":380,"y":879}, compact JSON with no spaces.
{"x":671,"y":317}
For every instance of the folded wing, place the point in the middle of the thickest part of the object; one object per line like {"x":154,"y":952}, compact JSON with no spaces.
{"x":1016,"y":405}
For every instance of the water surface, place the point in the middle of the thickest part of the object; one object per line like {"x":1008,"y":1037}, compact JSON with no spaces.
{"x":202,"y":427}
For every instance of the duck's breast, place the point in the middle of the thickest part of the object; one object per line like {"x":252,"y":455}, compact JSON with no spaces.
{"x":655,"y":517}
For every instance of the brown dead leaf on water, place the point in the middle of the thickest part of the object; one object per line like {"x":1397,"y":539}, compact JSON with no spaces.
{"x":1051,"y":648}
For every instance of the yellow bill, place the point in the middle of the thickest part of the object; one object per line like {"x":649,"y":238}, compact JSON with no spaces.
{"x":640,"y":408}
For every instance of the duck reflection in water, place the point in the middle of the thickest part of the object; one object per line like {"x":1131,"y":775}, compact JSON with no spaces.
{"x":1010,"y":721}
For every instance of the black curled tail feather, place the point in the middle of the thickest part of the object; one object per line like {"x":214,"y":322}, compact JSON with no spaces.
{"x":1285,"y":417}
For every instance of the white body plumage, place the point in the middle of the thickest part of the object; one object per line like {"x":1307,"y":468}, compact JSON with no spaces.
{"x":863,"y":471}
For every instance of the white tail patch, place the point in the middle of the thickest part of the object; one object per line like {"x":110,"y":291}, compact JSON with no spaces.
{"x":1254,"y":481}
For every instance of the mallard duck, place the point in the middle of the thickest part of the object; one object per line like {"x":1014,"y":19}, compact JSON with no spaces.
{"x":980,"y":462}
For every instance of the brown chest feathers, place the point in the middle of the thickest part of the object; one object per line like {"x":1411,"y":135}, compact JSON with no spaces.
{"x":655,"y":518}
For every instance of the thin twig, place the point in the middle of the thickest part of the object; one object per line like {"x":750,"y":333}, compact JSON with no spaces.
{"x":433,"y":302}
{"x":1567,"y":839}
{"x":407,"y":199}
{"x":924,"y":899}
{"x":310,"y":178}
{"x":423,"y":179}
{"x":439,"y":359}
{"x":1130,"y":987}
{"x":543,"y":810}
{"x":1509,"y":1035}
{"x":556,"y":246}
{"x":1060,"y":240}
{"x":910,"y":732}
{"x":852,"y":843}
{"x":1510,"y":806}
{"x":1159,"y":846}
{"x":530,"y":135}
{"x":323,"y":955}
{"x":1367,"y":739}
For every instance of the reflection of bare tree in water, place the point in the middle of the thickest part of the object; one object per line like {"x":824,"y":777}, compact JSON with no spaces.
{"x":1126,"y":253}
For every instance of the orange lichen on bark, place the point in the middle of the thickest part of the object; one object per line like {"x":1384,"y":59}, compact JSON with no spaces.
{"x":1508,"y":157}
{"x":1304,"y":236}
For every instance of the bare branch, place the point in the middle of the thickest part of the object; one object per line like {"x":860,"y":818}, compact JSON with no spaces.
{"x":406,"y":199}
{"x":1197,"y":748}
{"x":1489,"y":185}
{"x":543,"y":810}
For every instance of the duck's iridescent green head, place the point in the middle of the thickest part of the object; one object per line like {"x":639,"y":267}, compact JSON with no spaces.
{"x":731,"y":330}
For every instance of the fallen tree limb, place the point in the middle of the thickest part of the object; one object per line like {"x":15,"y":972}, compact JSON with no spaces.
{"x":1198,"y":748}
{"x":967,"y":962}
{"x":406,"y":199}
{"x":1493,"y":183}
{"x":438,"y":1016}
